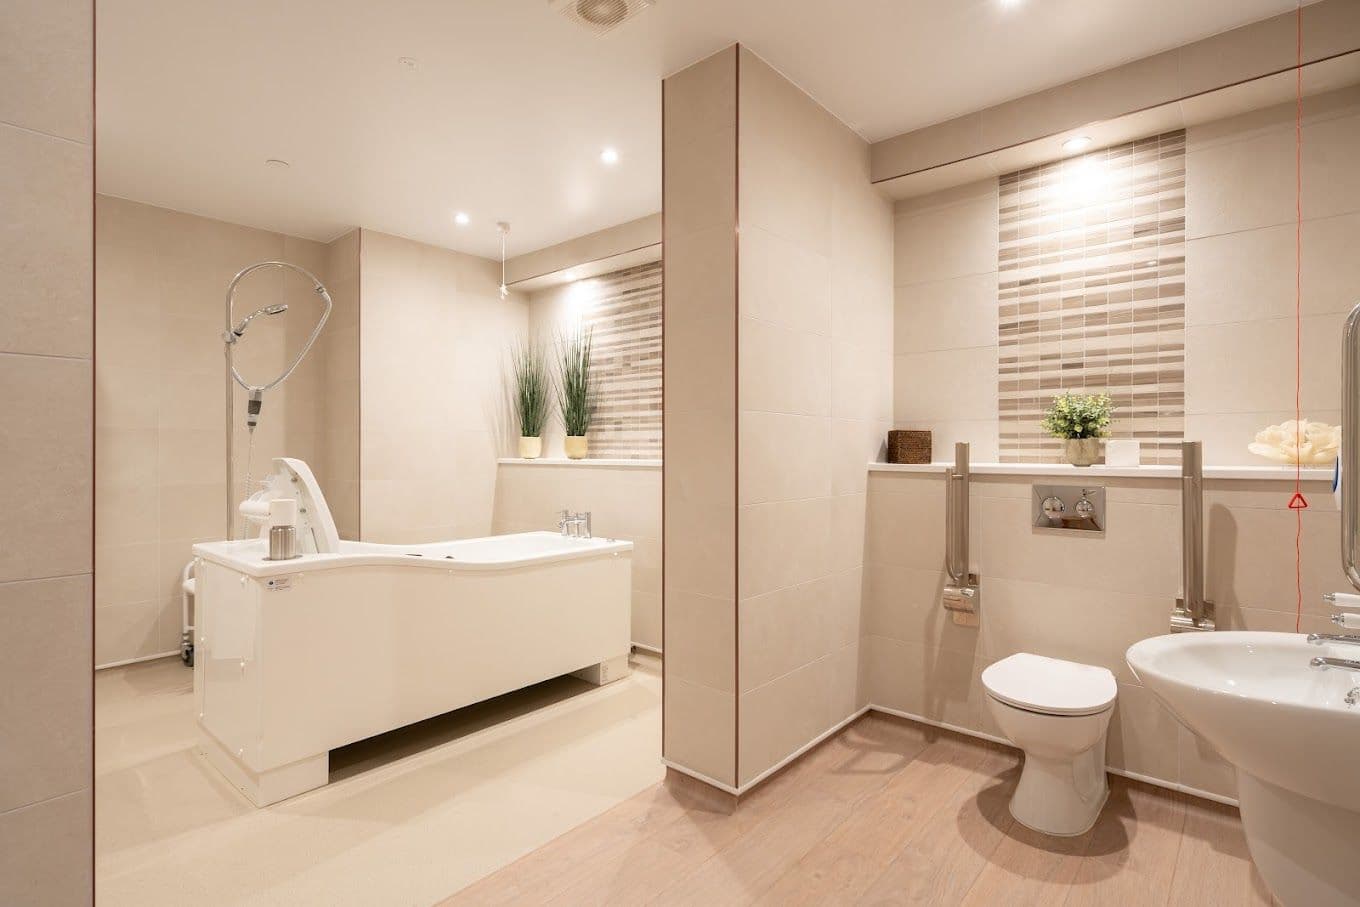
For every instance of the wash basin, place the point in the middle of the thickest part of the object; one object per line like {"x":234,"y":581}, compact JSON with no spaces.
{"x":1293,"y":738}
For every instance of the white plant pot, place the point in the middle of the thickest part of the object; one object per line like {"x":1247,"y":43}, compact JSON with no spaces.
{"x":1081,"y":451}
{"x":530,"y":448}
{"x":575,"y":446}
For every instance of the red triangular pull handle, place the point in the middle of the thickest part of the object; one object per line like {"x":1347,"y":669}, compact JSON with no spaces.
{"x":1298,"y":501}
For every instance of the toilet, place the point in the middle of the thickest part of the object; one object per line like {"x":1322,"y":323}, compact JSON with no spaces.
{"x":1057,"y":712}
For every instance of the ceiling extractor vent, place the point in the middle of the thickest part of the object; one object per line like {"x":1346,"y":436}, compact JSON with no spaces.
{"x":600,"y":16}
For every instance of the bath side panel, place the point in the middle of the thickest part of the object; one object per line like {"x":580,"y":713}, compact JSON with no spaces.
{"x":352,"y":652}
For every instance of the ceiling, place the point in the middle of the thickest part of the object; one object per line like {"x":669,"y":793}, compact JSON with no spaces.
{"x":507,"y":106}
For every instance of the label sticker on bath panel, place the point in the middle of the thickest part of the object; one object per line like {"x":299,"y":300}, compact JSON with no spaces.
{"x":280,"y":584}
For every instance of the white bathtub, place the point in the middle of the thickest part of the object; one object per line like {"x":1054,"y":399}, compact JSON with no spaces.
{"x":296,"y":658}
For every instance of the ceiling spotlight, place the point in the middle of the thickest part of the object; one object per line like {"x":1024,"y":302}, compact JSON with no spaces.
{"x":461,"y":219}
{"x":609,"y":156}
{"x":277,"y":163}
{"x":1077,"y":143}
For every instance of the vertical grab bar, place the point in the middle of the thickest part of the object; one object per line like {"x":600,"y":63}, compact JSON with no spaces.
{"x":1350,"y":450}
{"x":956,"y":516}
{"x":1193,"y":611}
{"x":961,"y":593}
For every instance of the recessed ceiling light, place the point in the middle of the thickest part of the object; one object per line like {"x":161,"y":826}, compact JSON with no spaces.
{"x":277,"y":163}
{"x":1007,"y":4}
{"x":610,"y":156}
{"x":1077,"y":143}
{"x":461,"y":219}
{"x":408,"y":62}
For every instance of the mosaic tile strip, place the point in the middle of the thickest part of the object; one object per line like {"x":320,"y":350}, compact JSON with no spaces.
{"x":1091,"y":295}
{"x":624,"y":313}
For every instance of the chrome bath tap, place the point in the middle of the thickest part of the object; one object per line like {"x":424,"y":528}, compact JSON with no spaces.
{"x":574,"y":525}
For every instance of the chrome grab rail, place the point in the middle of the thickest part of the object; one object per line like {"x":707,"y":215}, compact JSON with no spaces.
{"x":961,"y":593}
{"x":956,"y":516}
{"x":1350,"y":453}
{"x":1325,"y":662}
{"x":1193,"y":611}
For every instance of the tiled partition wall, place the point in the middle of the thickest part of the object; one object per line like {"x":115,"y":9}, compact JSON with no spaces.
{"x":46,"y":445}
{"x":1081,"y":599}
{"x":699,"y":435}
{"x":434,"y":414}
{"x":778,"y":388}
{"x":815,"y":395}
{"x":624,"y":501}
{"x":160,"y":477}
{"x":337,"y":396}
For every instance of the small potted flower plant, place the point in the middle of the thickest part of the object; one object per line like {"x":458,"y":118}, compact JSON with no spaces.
{"x":1081,"y":420}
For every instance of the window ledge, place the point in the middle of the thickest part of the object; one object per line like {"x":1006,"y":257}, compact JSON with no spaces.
{"x":1255,"y":473}
{"x":595,"y":462}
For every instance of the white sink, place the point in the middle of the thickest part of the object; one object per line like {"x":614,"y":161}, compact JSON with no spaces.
{"x":1294,"y":739}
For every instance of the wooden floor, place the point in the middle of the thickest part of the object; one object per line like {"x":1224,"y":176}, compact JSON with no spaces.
{"x":888,"y":812}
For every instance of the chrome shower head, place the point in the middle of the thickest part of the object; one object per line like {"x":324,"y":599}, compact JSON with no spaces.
{"x":240,"y":329}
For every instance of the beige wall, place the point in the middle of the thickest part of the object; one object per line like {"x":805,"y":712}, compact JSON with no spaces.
{"x":160,"y":476}
{"x":46,"y":345}
{"x":337,"y":395}
{"x":699,"y":198}
{"x":1085,"y":600}
{"x":1239,"y":286}
{"x":624,"y":502}
{"x":1239,"y":269}
{"x":815,"y":397}
{"x":433,"y":409}
{"x":582,"y":250}
{"x":945,"y":320}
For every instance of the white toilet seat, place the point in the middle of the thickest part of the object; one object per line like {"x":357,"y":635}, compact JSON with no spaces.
{"x":1050,"y":686}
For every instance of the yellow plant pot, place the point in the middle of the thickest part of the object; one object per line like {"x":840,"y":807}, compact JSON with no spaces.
{"x":575,"y":446}
{"x":530,"y":448}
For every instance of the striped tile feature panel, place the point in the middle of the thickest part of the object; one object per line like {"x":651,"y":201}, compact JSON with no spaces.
{"x":624,"y":313}
{"x":1091,"y":295}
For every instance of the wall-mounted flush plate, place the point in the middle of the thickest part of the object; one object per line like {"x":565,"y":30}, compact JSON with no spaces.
{"x":1068,"y":509}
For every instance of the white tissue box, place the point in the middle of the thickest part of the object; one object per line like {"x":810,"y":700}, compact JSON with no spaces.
{"x":1123,"y":453}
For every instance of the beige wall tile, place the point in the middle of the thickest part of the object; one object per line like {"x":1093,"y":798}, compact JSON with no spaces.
{"x":784,"y":457}
{"x":45,"y":852}
{"x":954,"y":385}
{"x":956,"y":313}
{"x":956,"y":237}
{"x":46,"y":712}
{"x":783,"y":631}
{"x":861,"y":383}
{"x":48,"y":55}
{"x":701,"y":729}
{"x":783,"y":715}
{"x":783,"y":371}
{"x":1238,"y":367}
{"x":46,"y":442}
{"x":701,"y":639}
{"x":784,"y":283}
{"x":46,"y":269}
{"x":1143,"y":737}
{"x":783,"y":544}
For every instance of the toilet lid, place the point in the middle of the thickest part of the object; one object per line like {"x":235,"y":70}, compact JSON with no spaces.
{"x":1049,"y":685}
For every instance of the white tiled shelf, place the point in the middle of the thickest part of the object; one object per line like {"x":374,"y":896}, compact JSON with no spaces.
{"x":1256,"y":473}
{"x":617,"y":463}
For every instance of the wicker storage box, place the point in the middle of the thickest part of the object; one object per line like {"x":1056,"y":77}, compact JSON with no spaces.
{"x":909,"y":447}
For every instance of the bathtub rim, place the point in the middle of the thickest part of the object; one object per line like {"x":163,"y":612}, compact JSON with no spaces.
{"x":247,"y":556}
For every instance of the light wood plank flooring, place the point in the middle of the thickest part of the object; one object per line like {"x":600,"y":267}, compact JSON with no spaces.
{"x":888,"y":812}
